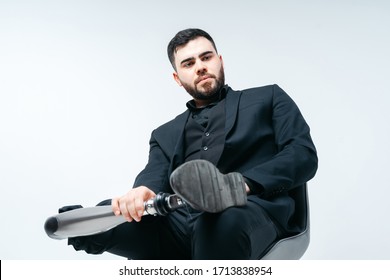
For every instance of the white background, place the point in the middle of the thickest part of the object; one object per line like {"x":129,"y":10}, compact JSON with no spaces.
{"x":83,"y":84}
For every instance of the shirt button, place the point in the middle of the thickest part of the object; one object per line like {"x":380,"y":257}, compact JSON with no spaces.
{"x":207,"y":134}
{"x":205,"y":148}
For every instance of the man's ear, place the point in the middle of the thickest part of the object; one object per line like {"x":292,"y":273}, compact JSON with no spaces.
{"x":220,"y":58}
{"x":176,"y":77}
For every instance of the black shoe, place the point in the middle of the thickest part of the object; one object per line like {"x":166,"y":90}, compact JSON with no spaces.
{"x":203,"y":187}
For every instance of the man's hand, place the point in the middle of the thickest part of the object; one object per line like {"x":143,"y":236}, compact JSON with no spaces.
{"x":131,"y":205}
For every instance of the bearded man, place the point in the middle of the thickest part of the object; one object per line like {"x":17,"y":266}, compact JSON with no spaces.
{"x":239,"y":159}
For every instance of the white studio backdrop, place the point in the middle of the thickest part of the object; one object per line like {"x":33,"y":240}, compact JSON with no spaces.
{"x":83,"y":84}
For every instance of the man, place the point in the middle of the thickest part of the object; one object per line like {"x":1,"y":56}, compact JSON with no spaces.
{"x":239,"y":159}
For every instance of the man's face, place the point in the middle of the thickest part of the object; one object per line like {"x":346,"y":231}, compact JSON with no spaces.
{"x":199,"y":69}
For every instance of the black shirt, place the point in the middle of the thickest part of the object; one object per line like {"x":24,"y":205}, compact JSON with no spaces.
{"x":204,"y":131}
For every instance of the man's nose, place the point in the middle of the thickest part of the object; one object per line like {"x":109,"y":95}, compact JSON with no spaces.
{"x":200,"y":68}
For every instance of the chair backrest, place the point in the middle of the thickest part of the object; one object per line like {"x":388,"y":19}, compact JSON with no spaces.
{"x":293,"y":247}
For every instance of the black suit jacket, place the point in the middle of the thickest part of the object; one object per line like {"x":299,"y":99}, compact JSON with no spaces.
{"x":267,"y":140}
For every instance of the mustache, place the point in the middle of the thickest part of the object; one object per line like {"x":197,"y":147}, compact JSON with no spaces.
{"x":204,"y":76}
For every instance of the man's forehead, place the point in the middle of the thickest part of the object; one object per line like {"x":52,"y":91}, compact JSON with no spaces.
{"x":194,"y":48}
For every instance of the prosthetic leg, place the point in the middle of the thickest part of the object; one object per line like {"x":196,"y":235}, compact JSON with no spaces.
{"x":98,"y":219}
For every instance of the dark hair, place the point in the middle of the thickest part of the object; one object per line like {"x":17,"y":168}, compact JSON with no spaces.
{"x":182,"y":38}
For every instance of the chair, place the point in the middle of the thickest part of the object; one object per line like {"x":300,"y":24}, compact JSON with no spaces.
{"x":293,"y":247}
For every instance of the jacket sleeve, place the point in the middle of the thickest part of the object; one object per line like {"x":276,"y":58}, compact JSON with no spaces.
{"x":295,"y":160}
{"x":155,"y":174}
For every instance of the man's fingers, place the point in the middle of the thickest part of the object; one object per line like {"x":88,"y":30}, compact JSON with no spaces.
{"x":139,"y":208}
{"x":126,"y":214}
{"x":115,"y":206}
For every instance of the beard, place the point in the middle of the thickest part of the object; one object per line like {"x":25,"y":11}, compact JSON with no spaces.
{"x":209,"y":90}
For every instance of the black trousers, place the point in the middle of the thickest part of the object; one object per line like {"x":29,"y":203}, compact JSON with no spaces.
{"x":236,"y":233}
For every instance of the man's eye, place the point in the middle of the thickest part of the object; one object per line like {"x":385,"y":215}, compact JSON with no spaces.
{"x":207,"y":57}
{"x":188,"y":64}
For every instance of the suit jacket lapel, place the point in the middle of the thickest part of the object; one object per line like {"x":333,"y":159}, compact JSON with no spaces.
{"x":231,"y":111}
{"x":232,"y":102}
{"x":178,"y":153}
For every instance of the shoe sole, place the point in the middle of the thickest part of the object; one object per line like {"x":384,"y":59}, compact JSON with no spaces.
{"x":204,"y":188}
